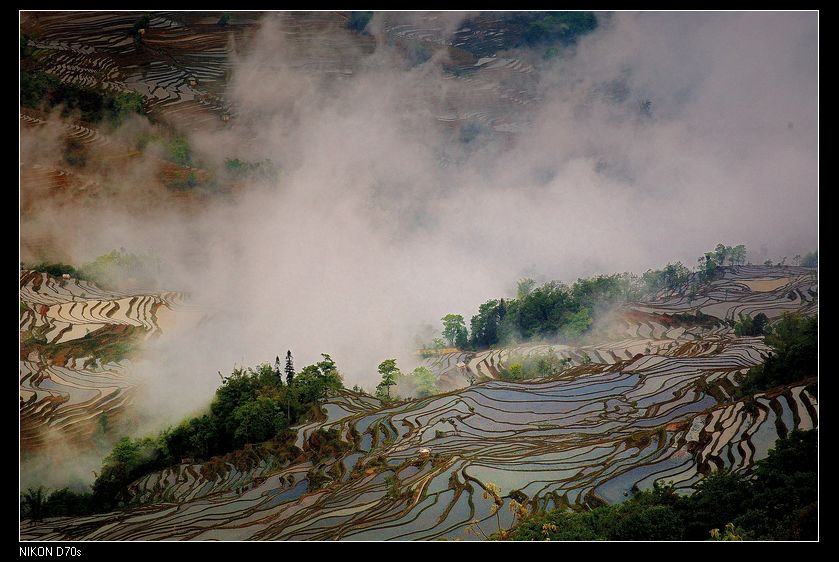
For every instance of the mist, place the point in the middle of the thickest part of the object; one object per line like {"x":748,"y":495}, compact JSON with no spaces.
{"x":383,"y":219}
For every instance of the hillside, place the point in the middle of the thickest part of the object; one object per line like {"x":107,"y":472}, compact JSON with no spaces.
{"x":655,"y":405}
{"x":350,"y":275}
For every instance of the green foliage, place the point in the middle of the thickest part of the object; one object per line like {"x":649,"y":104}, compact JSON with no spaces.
{"x":731,"y":534}
{"x":242,"y":169}
{"x":811,"y":259}
{"x":25,"y":48}
{"x":125,"y":104}
{"x":737,"y":255}
{"x":39,"y":90}
{"x":224,"y":20}
{"x":784,"y":493}
{"x":514,"y":372}
{"x":120,"y":268}
{"x":390,"y":373}
{"x":525,"y":287}
{"x":541,"y":312}
{"x":757,"y":326}
{"x":258,"y":420}
{"x":672,"y":277}
{"x":710,"y":261}
{"x":326,"y":443}
{"x":392,"y":486}
{"x":251,"y":406}
{"x":537,"y":28}
{"x":178,"y":151}
{"x":146,"y":138}
{"x":603,"y":291}
{"x":75,"y":153}
{"x":315,"y":382}
{"x":794,"y":339}
{"x":358,"y":21}
{"x":66,"y":502}
{"x":523,"y":367}
{"x":454,"y":330}
{"x":485,"y":326}
{"x":58,"y":269}
{"x":191,"y":180}
{"x":129,"y":459}
{"x":734,"y":256}
{"x":549,"y":311}
{"x":779,"y":502}
{"x":32,"y":503}
{"x":424,"y":381}
{"x":577,"y":323}
{"x":383,"y":393}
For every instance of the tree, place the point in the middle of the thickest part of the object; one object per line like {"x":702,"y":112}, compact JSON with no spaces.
{"x":258,"y":421}
{"x":424,"y":381}
{"x":757,"y":326}
{"x":454,"y":328}
{"x":316,"y":381}
{"x":485,"y":325}
{"x":389,"y":372}
{"x":32,"y":503}
{"x":541,"y":312}
{"x":671,"y":277}
{"x":795,"y":354}
{"x":525,"y":286}
{"x":461,"y":340}
{"x":577,"y":323}
{"x":289,"y":367}
{"x":277,"y":371}
{"x":330,"y":377}
{"x":811,"y":259}
{"x":738,"y":254}
{"x":721,"y":252}
{"x":707,"y":264}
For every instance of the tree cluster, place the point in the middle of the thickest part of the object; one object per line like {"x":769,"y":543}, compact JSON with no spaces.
{"x":777,"y":501}
{"x":251,"y":406}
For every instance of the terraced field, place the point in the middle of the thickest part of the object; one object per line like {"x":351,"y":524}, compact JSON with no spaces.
{"x":182,"y":62}
{"x":625,"y":420}
{"x":74,"y":336}
{"x":664,"y":326}
{"x":648,"y":397}
{"x":179,"y":66}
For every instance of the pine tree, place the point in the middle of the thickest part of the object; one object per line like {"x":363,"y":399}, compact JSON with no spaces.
{"x":390,"y":372}
{"x":289,"y":367}
{"x":277,"y":368}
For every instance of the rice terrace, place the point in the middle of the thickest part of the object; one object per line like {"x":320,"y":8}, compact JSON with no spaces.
{"x":412,"y":276}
